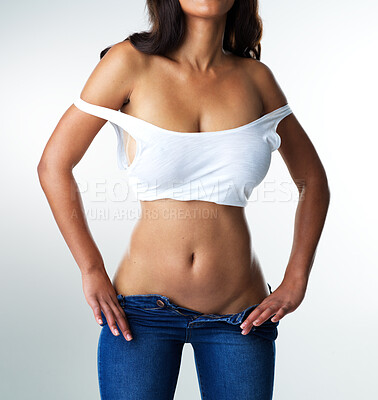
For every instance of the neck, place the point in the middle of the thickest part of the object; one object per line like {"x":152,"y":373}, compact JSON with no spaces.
{"x":201,"y":48}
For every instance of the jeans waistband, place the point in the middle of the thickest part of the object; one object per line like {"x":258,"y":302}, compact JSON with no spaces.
{"x":163,"y":302}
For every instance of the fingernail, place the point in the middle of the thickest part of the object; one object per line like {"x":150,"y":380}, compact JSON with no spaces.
{"x":244,"y":332}
{"x":100,"y":321}
{"x":243,"y":325}
{"x":256,"y":322}
{"x":128,"y":337}
{"x":116,"y":332}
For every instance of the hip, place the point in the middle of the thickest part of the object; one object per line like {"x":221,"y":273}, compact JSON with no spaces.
{"x":149,"y":313}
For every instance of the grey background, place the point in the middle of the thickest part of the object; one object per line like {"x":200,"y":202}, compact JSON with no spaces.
{"x":324,"y":56}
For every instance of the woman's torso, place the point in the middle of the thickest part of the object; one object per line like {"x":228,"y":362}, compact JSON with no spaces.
{"x":197,"y":253}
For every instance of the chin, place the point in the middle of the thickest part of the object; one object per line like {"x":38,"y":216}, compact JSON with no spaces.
{"x":206,"y":8}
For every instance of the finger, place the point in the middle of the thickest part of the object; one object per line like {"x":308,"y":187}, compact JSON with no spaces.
{"x":122,"y":322}
{"x":268,"y":312}
{"x":258,"y":318}
{"x":253,"y":315}
{"x":122,"y":311}
{"x":110,"y":318}
{"x":280,"y":313}
{"x":95,"y":305}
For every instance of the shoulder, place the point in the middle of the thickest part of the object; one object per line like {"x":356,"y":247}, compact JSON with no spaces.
{"x":113,"y":79}
{"x":124,"y":51}
{"x":271,"y":93}
{"x":123,"y":57}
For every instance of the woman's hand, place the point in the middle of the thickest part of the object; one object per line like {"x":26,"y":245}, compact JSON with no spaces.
{"x":284,"y":300}
{"x":100,"y":295}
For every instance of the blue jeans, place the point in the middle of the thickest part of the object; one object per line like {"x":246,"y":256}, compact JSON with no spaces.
{"x":229,"y":365}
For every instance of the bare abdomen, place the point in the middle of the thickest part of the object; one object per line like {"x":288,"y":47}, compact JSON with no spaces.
{"x":196,"y":253}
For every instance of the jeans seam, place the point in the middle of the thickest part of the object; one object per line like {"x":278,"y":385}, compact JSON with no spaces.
{"x":179,"y":312}
{"x":100,"y":364}
{"x":187,"y":334}
{"x":167,"y":308}
{"x":203,"y":397}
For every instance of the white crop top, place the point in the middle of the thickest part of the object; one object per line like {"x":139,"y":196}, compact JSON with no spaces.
{"x":222,"y":167}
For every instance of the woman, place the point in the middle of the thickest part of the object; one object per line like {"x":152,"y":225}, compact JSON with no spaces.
{"x":199,"y":111}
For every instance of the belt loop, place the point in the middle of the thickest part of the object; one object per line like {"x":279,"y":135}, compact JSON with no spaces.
{"x":121,"y":300}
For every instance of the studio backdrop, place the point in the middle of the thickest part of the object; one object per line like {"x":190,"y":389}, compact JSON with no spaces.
{"x":324,"y":57}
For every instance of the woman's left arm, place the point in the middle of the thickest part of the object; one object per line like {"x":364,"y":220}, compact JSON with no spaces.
{"x":310,"y":178}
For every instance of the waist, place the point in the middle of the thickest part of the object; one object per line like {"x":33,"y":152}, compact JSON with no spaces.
{"x":194,"y":224}
{"x":203,"y":264}
{"x":216,"y":285}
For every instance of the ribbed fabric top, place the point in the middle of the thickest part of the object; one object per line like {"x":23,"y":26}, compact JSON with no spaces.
{"x":222,"y":167}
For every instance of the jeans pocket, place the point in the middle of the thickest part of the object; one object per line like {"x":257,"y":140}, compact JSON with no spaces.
{"x":267,"y":330}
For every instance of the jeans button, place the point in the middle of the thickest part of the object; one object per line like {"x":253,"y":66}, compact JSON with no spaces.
{"x":160,"y":303}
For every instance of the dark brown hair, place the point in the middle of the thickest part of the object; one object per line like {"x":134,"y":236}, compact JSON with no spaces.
{"x":242,"y":36}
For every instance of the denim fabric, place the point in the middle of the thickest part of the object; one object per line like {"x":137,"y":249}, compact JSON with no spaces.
{"x":229,"y":365}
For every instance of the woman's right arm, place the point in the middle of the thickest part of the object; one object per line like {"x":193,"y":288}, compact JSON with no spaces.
{"x":109,"y":85}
